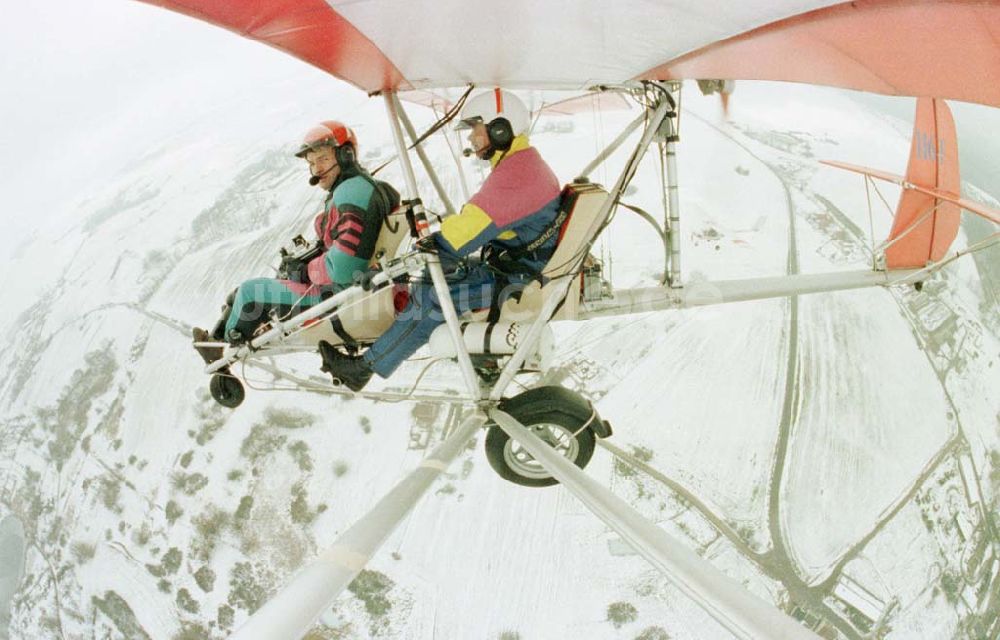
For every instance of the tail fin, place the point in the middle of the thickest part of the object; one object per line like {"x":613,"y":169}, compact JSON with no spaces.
{"x":925,"y":225}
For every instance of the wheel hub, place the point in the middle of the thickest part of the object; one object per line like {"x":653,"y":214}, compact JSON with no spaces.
{"x":556,"y":436}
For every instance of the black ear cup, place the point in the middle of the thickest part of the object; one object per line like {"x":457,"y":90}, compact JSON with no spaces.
{"x":344,"y":155}
{"x":500,"y":133}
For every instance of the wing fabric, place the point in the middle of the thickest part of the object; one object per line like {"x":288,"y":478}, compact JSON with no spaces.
{"x":942,"y":49}
{"x":935,"y":48}
{"x":306,"y":29}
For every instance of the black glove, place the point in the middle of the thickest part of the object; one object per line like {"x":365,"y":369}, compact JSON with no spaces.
{"x":426,"y":244}
{"x":363,"y":279}
{"x":293,"y":269}
{"x":295,"y":263}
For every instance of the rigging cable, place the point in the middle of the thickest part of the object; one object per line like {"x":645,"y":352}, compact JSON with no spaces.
{"x":871,"y":223}
{"x":448,"y":116}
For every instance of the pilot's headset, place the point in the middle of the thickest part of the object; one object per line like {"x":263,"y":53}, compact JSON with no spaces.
{"x":331,"y":133}
{"x":504,"y":115}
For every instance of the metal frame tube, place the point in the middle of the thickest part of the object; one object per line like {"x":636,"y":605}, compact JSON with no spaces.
{"x":665,"y":203}
{"x":548,"y":308}
{"x":433,"y":263}
{"x":428,"y":167}
{"x":702,"y":294}
{"x":674,"y":227}
{"x":294,"y":609}
{"x":312,"y":386}
{"x":611,"y":148}
{"x":735,"y":608}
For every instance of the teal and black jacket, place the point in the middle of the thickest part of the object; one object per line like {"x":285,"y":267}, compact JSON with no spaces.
{"x":349,"y":226}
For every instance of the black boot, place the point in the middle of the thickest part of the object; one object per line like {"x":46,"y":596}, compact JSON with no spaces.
{"x":219,"y":330}
{"x":351,"y":371}
{"x":208,"y":354}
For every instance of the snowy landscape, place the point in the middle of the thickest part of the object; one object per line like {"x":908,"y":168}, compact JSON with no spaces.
{"x":838,"y":454}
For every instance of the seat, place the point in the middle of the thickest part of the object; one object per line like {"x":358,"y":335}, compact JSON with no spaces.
{"x":371,"y":316}
{"x":584,"y":201}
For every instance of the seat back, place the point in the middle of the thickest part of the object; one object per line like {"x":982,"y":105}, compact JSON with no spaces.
{"x":394,"y":229}
{"x":584,"y":202}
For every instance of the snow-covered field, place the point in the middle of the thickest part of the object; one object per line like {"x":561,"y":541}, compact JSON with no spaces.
{"x":149,"y":510}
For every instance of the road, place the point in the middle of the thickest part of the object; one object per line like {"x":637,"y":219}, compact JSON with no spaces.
{"x":777,"y":563}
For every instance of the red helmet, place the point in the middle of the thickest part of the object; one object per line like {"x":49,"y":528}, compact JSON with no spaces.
{"x":329,"y":133}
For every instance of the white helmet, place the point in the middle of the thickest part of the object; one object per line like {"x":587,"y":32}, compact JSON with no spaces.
{"x":496,"y":103}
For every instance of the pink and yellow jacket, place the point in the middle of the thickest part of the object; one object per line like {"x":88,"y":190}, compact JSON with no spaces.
{"x":516,"y":203}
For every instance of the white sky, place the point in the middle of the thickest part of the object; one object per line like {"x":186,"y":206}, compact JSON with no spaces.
{"x":85,"y":83}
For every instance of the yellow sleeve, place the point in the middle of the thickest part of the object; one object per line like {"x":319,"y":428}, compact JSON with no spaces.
{"x":472,"y":226}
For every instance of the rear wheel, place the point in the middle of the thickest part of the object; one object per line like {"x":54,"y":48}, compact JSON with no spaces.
{"x":227,"y":390}
{"x":563,"y":426}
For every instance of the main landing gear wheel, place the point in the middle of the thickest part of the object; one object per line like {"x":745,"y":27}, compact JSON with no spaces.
{"x":564,"y":420}
{"x":227,"y":390}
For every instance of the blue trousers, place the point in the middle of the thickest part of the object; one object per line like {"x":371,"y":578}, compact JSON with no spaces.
{"x":471,"y":287}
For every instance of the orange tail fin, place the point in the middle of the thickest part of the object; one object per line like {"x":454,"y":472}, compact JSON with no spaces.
{"x":927,"y":225}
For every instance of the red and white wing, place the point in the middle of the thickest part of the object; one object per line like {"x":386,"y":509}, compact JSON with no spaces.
{"x":938,"y":48}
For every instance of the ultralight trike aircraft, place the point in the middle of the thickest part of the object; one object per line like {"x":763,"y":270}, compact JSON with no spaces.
{"x":639,"y":52}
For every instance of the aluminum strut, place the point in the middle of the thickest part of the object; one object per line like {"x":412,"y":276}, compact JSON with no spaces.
{"x":433,"y":262}
{"x":424,"y":160}
{"x":674,"y":204}
{"x":611,"y":148}
{"x":702,"y":294}
{"x":313,"y":590}
{"x":735,"y":608}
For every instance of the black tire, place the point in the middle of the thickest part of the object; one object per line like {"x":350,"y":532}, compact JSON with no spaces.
{"x":227,"y":390}
{"x":547,"y":412}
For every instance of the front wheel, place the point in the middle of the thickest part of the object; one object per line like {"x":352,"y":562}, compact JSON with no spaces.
{"x":562,"y":422}
{"x":227,"y":390}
